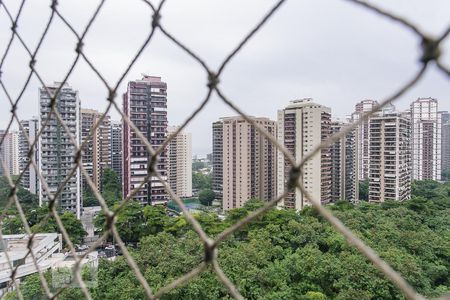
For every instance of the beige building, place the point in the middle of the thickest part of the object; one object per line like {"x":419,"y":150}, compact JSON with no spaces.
{"x":302,"y":125}
{"x":389,"y":158}
{"x":344,"y":160}
{"x":10,"y":152}
{"x":180,"y":163}
{"x":97,"y":152}
{"x":248,"y":161}
{"x":362,"y":136}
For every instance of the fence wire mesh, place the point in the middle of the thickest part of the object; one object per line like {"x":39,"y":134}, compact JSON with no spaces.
{"x":430,"y":54}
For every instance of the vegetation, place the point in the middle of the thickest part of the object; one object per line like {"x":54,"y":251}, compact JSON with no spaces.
{"x":26,"y":199}
{"x":111,"y":190}
{"x":197,"y":165}
{"x":364,"y":190}
{"x":288,"y":255}
{"x":206,"y":197}
{"x":201,"y":181}
{"x":40,"y":221}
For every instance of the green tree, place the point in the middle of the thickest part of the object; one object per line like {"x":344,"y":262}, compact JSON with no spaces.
{"x":364,"y":190}
{"x":201,"y":181}
{"x":206,"y":197}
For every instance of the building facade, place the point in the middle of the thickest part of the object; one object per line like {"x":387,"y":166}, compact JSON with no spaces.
{"x":30,"y":178}
{"x":446,"y":147}
{"x":302,"y":125}
{"x":116,"y":148}
{"x":57,"y":152}
{"x":249,"y":161}
{"x":217,"y":159}
{"x":426,"y":139}
{"x":145,"y":104}
{"x":9,"y":152}
{"x":344,"y":162}
{"x":362,"y":136}
{"x":180,"y":163}
{"x":389,"y":158}
{"x":97,"y":150}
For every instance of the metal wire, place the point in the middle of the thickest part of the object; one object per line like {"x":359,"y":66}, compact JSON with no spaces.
{"x":430,"y":54}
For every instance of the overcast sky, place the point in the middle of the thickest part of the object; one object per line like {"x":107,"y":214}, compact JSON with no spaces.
{"x":330,"y":50}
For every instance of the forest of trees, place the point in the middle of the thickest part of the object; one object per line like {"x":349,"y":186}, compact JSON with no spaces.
{"x":287,"y":255}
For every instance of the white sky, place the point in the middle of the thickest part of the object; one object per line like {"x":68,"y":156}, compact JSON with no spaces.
{"x":330,"y":50}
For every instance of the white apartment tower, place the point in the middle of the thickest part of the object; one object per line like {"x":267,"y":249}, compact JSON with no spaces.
{"x":389,"y":158}
{"x":9,"y":152}
{"x":302,"y":125}
{"x":249,"y":160}
{"x":426,"y":139}
{"x":362,"y":136}
{"x":97,"y":149}
{"x":30,"y":178}
{"x":116,"y":148}
{"x":180,"y":163}
{"x":57,"y":152}
{"x":344,"y":160}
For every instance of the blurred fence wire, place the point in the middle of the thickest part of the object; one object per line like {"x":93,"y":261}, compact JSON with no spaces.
{"x":430,"y":54}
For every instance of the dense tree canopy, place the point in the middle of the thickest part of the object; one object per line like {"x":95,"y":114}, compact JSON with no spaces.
{"x":201,"y":181}
{"x":288,"y":255}
{"x":26,"y":199}
{"x":111,"y":189}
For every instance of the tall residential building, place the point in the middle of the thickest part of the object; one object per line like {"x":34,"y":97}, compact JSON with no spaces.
{"x":362,"y":108}
{"x":446,"y":147}
{"x":217,"y":159}
{"x":9,"y":152}
{"x":30,"y":178}
{"x":180,"y":163}
{"x":145,"y":104}
{"x":390,"y":158}
{"x":344,"y":162}
{"x":249,"y":161}
{"x":116,"y":148}
{"x":302,"y":125}
{"x":2,"y":146}
{"x":97,"y":151}
{"x":426,"y":139}
{"x":57,"y":152}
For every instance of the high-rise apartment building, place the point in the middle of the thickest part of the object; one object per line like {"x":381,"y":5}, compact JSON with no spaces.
{"x":116,"y":148}
{"x":180,"y":163}
{"x":145,"y":104}
{"x":249,"y":161}
{"x":2,"y":147}
{"x":57,"y":152}
{"x":302,"y":125}
{"x":217,"y":159}
{"x":30,"y":178}
{"x":446,"y":147}
{"x":97,"y":151}
{"x":344,"y":162}
{"x":426,"y":139}
{"x":10,"y":152}
{"x":389,"y":158}
{"x":362,"y":136}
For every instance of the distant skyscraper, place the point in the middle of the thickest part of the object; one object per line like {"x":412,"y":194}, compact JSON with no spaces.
{"x":145,"y":103}
{"x":302,"y":125}
{"x":30,"y":178}
{"x":56,"y":155}
{"x":344,"y":161}
{"x":9,"y":152}
{"x":97,"y":152}
{"x":116,"y":148}
{"x":389,"y":158}
{"x":362,"y":140}
{"x":426,"y":139}
{"x":249,"y":161}
{"x":180,"y":163}
{"x":217,"y":159}
{"x":446,"y":147}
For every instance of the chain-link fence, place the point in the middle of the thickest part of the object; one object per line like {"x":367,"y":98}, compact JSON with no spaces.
{"x":430,"y":54}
